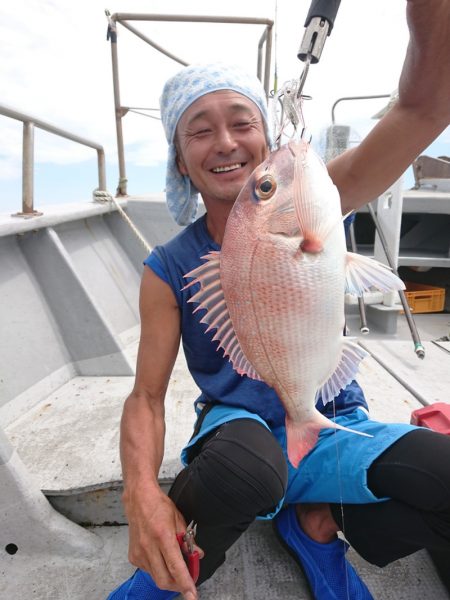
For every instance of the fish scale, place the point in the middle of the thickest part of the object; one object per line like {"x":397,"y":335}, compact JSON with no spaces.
{"x":296,"y":293}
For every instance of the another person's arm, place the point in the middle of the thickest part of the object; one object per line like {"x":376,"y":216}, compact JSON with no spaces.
{"x":153,"y":518}
{"x":420,"y":115}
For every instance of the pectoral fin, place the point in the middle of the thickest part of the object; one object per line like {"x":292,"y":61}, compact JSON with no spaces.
{"x":362,"y":273}
{"x":314,"y":228}
{"x":345,"y":372}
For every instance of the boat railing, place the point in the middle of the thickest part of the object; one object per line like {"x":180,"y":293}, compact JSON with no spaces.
{"x":29,"y":123}
{"x":264,"y":58}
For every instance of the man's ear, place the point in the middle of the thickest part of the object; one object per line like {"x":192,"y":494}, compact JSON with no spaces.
{"x":180,"y":164}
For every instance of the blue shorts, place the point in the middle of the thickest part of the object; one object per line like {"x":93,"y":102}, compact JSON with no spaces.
{"x":335,"y":470}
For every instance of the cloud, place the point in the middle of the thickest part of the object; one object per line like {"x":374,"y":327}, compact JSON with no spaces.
{"x":55,"y":63}
{"x":9,"y":168}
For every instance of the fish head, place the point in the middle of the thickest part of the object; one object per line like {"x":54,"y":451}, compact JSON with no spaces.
{"x":265,"y":204}
{"x":289,"y":196}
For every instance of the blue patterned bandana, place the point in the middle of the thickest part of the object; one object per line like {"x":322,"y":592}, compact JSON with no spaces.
{"x":179,"y":92}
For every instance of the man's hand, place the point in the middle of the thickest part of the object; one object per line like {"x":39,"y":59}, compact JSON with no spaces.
{"x":154,"y":522}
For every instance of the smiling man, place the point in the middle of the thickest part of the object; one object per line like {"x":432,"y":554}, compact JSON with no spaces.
{"x":220,"y":140}
{"x":397,"y":497}
{"x":215,"y":119}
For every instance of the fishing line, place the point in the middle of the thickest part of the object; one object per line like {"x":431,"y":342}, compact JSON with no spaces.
{"x":341,"y":502}
{"x":275,"y":69}
{"x":288,"y":121}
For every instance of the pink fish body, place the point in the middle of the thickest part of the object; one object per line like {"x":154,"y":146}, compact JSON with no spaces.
{"x":275,"y":292}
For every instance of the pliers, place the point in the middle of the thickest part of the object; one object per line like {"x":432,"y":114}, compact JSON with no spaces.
{"x":191,"y":556}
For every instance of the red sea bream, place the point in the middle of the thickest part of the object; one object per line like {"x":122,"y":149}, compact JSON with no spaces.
{"x":275,"y":291}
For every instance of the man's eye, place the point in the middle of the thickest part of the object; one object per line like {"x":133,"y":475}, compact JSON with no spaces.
{"x":242,"y":124}
{"x":203,"y":131}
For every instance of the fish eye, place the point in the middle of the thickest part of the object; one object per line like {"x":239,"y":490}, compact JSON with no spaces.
{"x":265,"y":187}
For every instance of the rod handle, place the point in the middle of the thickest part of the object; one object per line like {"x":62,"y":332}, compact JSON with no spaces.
{"x":325,"y":9}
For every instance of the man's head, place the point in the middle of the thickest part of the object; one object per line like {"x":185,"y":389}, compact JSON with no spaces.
{"x":216,"y":124}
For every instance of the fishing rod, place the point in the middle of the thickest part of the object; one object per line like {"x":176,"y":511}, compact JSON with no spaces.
{"x":418,"y":346}
{"x":364,"y":328}
{"x":319,"y":24}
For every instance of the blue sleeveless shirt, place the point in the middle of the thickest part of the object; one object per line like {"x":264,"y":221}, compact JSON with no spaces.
{"x":213,"y":374}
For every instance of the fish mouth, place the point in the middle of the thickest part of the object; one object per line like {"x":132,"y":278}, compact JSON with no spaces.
{"x":292,"y":150}
{"x":297,"y":148}
{"x":228,"y":168}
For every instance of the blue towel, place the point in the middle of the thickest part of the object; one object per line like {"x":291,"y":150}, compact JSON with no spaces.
{"x":179,"y":92}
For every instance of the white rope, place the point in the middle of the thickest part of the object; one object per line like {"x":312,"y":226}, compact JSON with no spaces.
{"x":104,"y":196}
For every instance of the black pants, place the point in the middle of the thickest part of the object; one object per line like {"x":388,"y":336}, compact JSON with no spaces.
{"x":239,"y":472}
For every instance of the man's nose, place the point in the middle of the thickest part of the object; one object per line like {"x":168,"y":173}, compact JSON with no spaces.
{"x":225,"y":140}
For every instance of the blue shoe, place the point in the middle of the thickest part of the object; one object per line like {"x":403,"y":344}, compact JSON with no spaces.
{"x":329,"y":575}
{"x":140,"y":586}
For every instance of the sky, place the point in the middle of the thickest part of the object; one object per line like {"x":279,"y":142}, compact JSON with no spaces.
{"x":55,"y":64}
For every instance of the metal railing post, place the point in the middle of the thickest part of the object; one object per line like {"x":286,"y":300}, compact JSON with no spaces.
{"x":101,"y":162}
{"x":29,"y":123}
{"x":28,"y":172}
{"x":266,"y":39}
{"x":122,"y":186}
{"x":268,"y":60}
{"x":28,"y":168}
{"x":260,"y":60}
{"x":122,"y":18}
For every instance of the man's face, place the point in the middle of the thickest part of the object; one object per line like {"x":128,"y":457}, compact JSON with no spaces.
{"x":220,"y":141}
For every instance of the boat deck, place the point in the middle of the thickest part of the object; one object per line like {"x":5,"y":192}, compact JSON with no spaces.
{"x":256,"y":568}
{"x":79,"y":472}
{"x":62,"y":414}
{"x":86,"y":412}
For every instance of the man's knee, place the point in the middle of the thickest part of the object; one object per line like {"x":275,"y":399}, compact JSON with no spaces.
{"x":243,"y":466}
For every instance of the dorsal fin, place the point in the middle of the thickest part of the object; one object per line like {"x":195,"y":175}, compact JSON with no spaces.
{"x":211,"y":298}
{"x":314,"y":228}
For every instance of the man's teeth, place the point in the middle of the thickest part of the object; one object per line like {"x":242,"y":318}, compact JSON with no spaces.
{"x":228,"y":168}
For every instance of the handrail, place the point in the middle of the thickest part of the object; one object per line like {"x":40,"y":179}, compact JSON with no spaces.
{"x":29,"y":122}
{"x":122,"y":18}
{"x":345,"y":98}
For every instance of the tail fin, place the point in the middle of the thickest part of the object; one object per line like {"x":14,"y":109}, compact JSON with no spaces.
{"x":302,"y":437}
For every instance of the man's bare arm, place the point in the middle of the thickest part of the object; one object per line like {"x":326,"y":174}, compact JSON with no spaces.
{"x":153,"y":519}
{"x":420,"y":115}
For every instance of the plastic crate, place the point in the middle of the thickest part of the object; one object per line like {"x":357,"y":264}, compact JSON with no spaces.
{"x":424,"y":298}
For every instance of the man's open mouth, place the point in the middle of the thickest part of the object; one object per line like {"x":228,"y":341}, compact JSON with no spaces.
{"x":227,"y":168}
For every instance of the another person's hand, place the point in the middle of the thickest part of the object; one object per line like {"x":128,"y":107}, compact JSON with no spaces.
{"x":425,"y":80}
{"x":154,"y":522}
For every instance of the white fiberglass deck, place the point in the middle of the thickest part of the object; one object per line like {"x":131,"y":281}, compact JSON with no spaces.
{"x":76,"y":429}
{"x":61,"y":407}
{"x":257,"y":568}
{"x":86,"y":412}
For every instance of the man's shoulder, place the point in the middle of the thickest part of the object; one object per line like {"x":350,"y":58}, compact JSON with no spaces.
{"x":180,"y":255}
{"x":193,"y":239}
